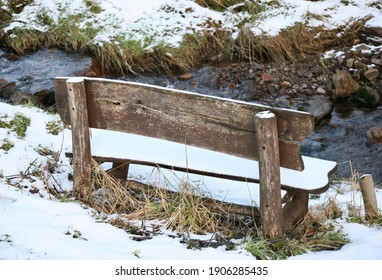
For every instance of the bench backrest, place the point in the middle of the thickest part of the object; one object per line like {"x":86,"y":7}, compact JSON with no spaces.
{"x":213,"y":123}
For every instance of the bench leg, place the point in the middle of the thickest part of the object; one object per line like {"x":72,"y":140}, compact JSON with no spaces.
{"x":119,"y":170}
{"x":269,"y":169}
{"x":82,"y":164}
{"x":296,"y":209}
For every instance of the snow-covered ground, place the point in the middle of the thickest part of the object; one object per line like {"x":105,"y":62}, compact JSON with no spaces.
{"x":165,"y":22}
{"x":34,"y":225}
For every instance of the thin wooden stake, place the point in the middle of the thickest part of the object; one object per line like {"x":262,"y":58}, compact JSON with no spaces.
{"x":80,"y":136}
{"x":269,"y":170}
{"x":369,"y":197}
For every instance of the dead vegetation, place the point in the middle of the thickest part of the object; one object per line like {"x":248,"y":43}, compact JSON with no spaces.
{"x":179,"y":203}
{"x":295,"y":42}
{"x":142,"y":210}
{"x":129,"y":56}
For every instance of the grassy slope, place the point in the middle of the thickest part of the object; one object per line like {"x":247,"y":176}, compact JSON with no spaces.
{"x":122,"y":55}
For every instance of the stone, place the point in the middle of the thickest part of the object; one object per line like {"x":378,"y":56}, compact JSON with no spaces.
{"x":186,"y":76}
{"x":283,"y":102}
{"x":379,"y":87}
{"x":319,"y":106}
{"x":249,"y":90}
{"x":350,"y":63}
{"x":207,"y":77}
{"x":340,"y":59}
{"x":376,"y":61}
{"x":4,"y":85}
{"x":367,"y":96}
{"x":266,"y":77}
{"x":320,"y":90}
{"x":22,"y":98}
{"x":285,"y":84}
{"x":374,"y":135}
{"x":360,"y":65}
{"x":316,"y":70}
{"x":371,"y":74}
{"x":363,"y":47}
{"x":344,"y":84}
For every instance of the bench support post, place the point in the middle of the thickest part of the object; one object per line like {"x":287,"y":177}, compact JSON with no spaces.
{"x":295,"y":209}
{"x":80,"y":137}
{"x":269,"y":170}
{"x":120,"y":170}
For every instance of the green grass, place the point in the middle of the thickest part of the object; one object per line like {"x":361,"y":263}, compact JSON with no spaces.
{"x":4,"y":124}
{"x":121,"y":54}
{"x":6,"y":145}
{"x":267,"y":249}
{"x":20,"y":124}
{"x":54,"y":127}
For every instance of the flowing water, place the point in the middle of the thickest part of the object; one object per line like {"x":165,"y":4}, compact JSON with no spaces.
{"x":340,"y":137}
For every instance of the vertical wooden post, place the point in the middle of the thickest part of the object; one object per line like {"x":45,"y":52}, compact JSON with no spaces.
{"x":295,"y":209}
{"x":120,"y":170}
{"x":80,"y":136}
{"x":269,"y":170}
{"x":369,"y":197}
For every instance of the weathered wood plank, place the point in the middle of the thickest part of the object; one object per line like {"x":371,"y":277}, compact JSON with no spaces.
{"x":254,"y":179}
{"x":269,"y":170}
{"x":203,"y":121}
{"x":80,"y":137}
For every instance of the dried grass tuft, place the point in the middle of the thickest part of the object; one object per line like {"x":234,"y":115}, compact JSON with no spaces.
{"x":109,"y":195}
{"x":317,"y":219}
{"x":178,"y":202}
{"x":295,"y":42}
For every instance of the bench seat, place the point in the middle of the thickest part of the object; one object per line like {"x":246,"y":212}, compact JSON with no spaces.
{"x":119,"y":147}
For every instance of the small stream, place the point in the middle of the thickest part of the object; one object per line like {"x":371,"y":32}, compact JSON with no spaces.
{"x":340,"y":137}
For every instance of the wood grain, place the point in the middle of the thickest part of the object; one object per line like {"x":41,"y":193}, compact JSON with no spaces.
{"x":269,"y":171}
{"x":198,"y":120}
{"x":80,"y":138}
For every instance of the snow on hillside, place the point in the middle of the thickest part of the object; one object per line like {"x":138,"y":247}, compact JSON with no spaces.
{"x":166,"y":21}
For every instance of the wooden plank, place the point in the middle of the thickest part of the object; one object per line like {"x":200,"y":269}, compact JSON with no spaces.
{"x":193,"y":119}
{"x":80,"y":137}
{"x":269,"y":170}
{"x":253,"y":179}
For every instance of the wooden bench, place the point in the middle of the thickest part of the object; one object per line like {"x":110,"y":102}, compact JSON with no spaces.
{"x":224,"y":138}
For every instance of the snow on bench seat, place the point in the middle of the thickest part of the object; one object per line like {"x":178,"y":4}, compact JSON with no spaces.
{"x":111,"y":144}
